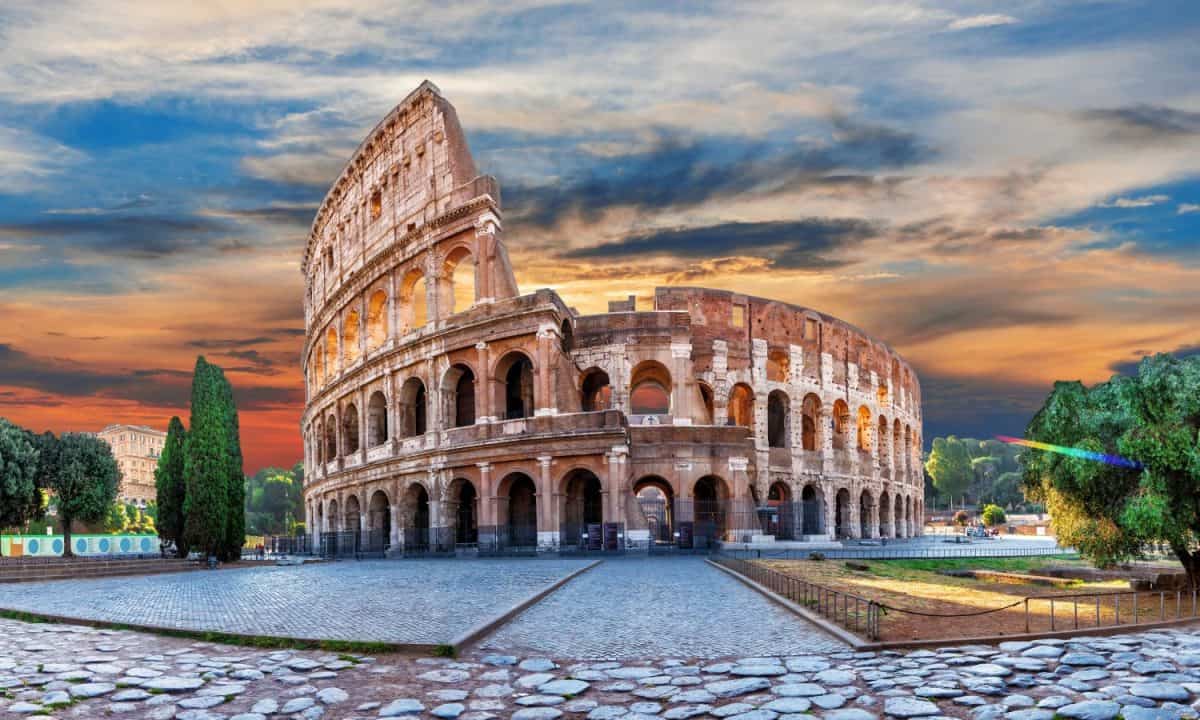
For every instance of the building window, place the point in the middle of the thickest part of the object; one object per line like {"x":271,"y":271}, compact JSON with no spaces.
{"x":738,"y":316}
{"x":376,"y":205}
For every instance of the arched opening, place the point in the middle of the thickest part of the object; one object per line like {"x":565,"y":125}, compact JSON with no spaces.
{"x":335,"y":519}
{"x":415,"y":511}
{"x":414,"y":301}
{"x":897,"y":446}
{"x":813,"y":521}
{"x":885,"y":515}
{"x":741,"y":406}
{"x":521,"y":513}
{"x":898,"y":529}
{"x":331,"y":452}
{"x":463,"y":508}
{"x":517,"y":371}
{"x":567,"y":337}
{"x":841,"y":424}
{"x":778,"y":419}
{"x":458,"y":388}
{"x":782,"y":521}
{"x":710,"y":496}
{"x":810,"y":415}
{"x":650,"y":389}
{"x":865,"y":511}
{"x":350,"y":338}
{"x":413,"y":408}
{"x":331,"y":353}
{"x":583,"y":513}
{"x":882,"y":439}
{"x":777,"y":366}
{"x":882,"y":395}
{"x":318,"y":373}
{"x":908,"y":444}
{"x":657,"y":503}
{"x":459,"y":270}
{"x":864,"y":429}
{"x":707,"y":401}
{"x":353,"y":517}
{"x":349,"y":429}
{"x":379,"y":522}
{"x":842,"y":514}
{"x":321,"y":518}
{"x":377,"y":320}
{"x":910,"y":526}
{"x":596,"y":390}
{"x":377,"y":429}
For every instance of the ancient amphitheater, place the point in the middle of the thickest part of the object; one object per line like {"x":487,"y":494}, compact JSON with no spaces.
{"x":446,"y":410}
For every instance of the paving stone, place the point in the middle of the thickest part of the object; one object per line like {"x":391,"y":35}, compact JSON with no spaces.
{"x":1079,"y":658}
{"x":737,"y":686}
{"x":173,"y":684}
{"x":91,"y":690}
{"x":730,"y":710}
{"x":831,"y":701}
{"x":683,"y":712}
{"x":537,"y":713}
{"x":788,"y":705}
{"x":1160,"y":691}
{"x":529,"y":700}
{"x":909,"y":707}
{"x":403,"y":706}
{"x":448,"y":710}
{"x":799,"y":690}
{"x":1090,"y":710}
{"x":835,"y":678}
{"x":850,"y":714}
{"x":538,"y":665}
{"x":607,"y":712}
{"x":563,"y":687}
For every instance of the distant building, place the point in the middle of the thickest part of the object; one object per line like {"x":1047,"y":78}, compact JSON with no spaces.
{"x":136,"y":448}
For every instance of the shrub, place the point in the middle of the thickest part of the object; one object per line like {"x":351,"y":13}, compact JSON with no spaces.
{"x":993,"y":515}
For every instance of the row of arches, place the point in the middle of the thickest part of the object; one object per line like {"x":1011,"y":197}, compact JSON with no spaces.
{"x":361,"y":332}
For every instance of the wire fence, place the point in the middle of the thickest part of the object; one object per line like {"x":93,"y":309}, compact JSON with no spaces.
{"x":903,"y":552}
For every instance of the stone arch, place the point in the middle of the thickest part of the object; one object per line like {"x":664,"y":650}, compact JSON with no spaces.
{"x":864,"y":428}
{"x":841,"y":424}
{"x":710,"y":498}
{"x":779,"y":419}
{"x":810,"y":412}
{"x":777,"y":366}
{"x":898,"y":524}
{"x":841,"y":514}
{"x":377,"y":423}
{"x":865,"y":508}
{"x":352,"y":515}
{"x":656,"y":499}
{"x":583,"y":504}
{"x":458,"y":391}
{"x":379,"y":520}
{"x":566,"y":336}
{"x":318,"y":368}
{"x":415,"y":516}
{"x":908,"y":452}
{"x":331,"y":353}
{"x":741,"y":406}
{"x":335,"y":519}
{"x":897,"y":446}
{"x":414,"y":408}
{"x":321,"y":518}
{"x":414,"y":301}
{"x":812,"y":510}
{"x":459,"y":271}
{"x":514,"y":390}
{"x":882,"y":395}
{"x":350,"y":346}
{"x":881,"y":438}
{"x":518,"y":496}
{"x":461,"y":509}
{"x":377,"y":320}
{"x":350,"y":439}
{"x":331,"y":448}
{"x":596,"y":390}
{"x":707,"y":402}
{"x":650,"y":388}
{"x":885,"y":515}
{"x":783,"y":523}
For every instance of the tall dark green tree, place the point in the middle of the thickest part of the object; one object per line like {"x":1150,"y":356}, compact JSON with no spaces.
{"x":214,"y":498}
{"x":20,"y":495}
{"x":235,"y":480}
{"x":86,"y":483}
{"x":171,"y":487}
{"x":1110,"y":511}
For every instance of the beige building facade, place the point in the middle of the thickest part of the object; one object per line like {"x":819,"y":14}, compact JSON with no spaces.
{"x":445,"y":406}
{"x":136,"y":449}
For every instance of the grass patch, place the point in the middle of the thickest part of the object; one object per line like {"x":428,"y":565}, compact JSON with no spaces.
{"x":444,"y":651}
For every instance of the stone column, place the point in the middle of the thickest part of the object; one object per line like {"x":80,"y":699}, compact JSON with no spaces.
{"x":543,"y":497}
{"x":544,"y":402}
{"x":720,"y":363}
{"x":487,"y":226}
{"x":487,"y":496}
{"x":682,"y":384}
{"x":483,"y":385}
{"x":394,"y":534}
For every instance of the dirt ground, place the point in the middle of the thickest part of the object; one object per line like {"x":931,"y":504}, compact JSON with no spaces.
{"x":924,"y":604}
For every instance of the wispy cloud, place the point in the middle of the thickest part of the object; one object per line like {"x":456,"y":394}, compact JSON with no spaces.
{"x":1187,"y":208}
{"x":980,"y":21}
{"x":1136,"y":202}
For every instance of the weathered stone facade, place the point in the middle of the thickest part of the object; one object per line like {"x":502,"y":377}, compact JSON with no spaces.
{"x":440,"y":397}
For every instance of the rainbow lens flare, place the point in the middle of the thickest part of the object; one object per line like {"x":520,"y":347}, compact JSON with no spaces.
{"x":1073,"y":452}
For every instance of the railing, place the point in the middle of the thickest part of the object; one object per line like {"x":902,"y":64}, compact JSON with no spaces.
{"x":855,"y":613}
{"x":906,"y":551}
{"x":520,"y":539}
{"x":1109,"y":609}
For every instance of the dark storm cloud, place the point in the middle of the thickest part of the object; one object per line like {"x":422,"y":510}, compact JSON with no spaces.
{"x":140,"y":237}
{"x":681,"y":172}
{"x":808,"y":243}
{"x":1130,"y":367}
{"x":159,"y":387}
{"x":1144,"y":124}
{"x":228,"y":343}
{"x":977,"y":407}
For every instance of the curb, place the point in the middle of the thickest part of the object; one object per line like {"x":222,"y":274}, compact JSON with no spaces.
{"x":845,"y":636}
{"x":487,"y":627}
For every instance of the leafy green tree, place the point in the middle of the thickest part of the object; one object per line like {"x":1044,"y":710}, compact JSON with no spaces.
{"x":1006,"y":491}
{"x":992,"y":515}
{"x":171,"y":486}
{"x":1107,"y":510}
{"x":949,"y":465}
{"x":20,"y":499}
{"x":86,"y":483}
{"x":961,"y":518}
{"x":116,"y":519}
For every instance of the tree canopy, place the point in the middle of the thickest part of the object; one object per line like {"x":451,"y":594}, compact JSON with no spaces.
{"x":170,"y":486}
{"x":86,"y":482}
{"x":977,"y":471}
{"x":1110,"y":511}
{"x":274,"y":500}
{"x":213,"y":503}
{"x":949,"y":465}
{"x":20,"y":495}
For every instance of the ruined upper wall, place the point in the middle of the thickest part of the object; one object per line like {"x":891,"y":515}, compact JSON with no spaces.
{"x":412,"y":167}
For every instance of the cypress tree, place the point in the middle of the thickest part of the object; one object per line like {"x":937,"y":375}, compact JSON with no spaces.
{"x":206,"y":463}
{"x":171,"y":487}
{"x":235,"y":482}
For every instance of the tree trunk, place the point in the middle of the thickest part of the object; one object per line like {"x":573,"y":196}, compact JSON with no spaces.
{"x":1191,"y":563}
{"x":66,"y":523}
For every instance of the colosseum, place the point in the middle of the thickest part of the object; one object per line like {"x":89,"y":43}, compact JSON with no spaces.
{"x":448,"y":412}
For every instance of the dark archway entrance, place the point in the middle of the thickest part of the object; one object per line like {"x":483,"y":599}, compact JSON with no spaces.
{"x":522,"y":511}
{"x":710,"y":500}
{"x":842,"y":514}
{"x":781,"y":519}
{"x":812,"y":510}
{"x":864,"y":515}
{"x":379,"y":523}
{"x":657,"y":503}
{"x":463,"y":509}
{"x":416,"y":519}
{"x":583,"y":511}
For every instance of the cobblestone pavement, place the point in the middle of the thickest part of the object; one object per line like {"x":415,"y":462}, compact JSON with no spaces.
{"x":658,"y":607}
{"x":63,"y":671}
{"x":410,"y":601}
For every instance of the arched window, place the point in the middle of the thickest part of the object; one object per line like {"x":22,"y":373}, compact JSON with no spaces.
{"x":707,"y":400}
{"x":882,"y":395}
{"x":516,"y":369}
{"x":458,"y":388}
{"x":331,"y":353}
{"x":650,"y":389}
{"x":412,"y":407}
{"x":778,"y":419}
{"x":811,"y":412}
{"x":350,"y":338}
{"x":331,"y":451}
{"x":777,"y":366}
{"x":414,"y":301}
{"x":377,"y":429}
{"x":349,"y":429}
{"x":596,"y":391}
{"x":841,"y":424}
{"x":377,"y":321}
{"x":459,"y":271}
{"x":741,"y":406}
{"x":864,"y":429}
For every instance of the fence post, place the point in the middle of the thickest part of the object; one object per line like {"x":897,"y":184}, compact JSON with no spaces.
{"x":1026,"y":614}
{"x":1097,"y":611}
{"x":1051,"y":613}
{"x":1135,"y":611}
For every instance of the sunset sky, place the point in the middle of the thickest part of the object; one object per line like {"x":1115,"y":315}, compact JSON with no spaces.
{"x":1007,"y":193}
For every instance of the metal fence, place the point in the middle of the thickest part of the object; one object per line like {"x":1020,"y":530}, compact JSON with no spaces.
{"x":507,"y":540}
{"x":901,"y":551}
{"x":1108,"y":609}
{"x":853,"y":612}
{"x":591,"y":538}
